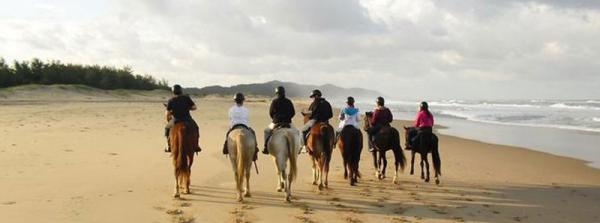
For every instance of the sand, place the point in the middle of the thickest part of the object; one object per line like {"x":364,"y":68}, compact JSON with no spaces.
{"x":102,"y":161}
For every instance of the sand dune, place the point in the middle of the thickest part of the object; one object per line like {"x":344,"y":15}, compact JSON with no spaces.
{"x":102,"y":161}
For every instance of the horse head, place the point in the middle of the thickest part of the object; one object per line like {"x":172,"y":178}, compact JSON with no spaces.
{"x":367,"y":124}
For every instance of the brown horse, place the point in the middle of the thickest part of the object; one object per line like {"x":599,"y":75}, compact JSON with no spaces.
{"x":320,"y":145}
{"x":183,"y":139}
{"x":351,"y":144}
{"x":388,"y":138}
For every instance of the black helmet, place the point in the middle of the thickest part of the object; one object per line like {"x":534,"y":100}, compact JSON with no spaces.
{"x":239,"y":97}
{"x":350,"y":100}
{"x":280,"y":90}
{"x":380,"y":101}
{"x":424,"y":105}
{"x":316,"y":93}
{"x":177,"y":89}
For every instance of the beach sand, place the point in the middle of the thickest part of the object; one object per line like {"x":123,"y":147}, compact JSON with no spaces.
{"x":102,"y":161}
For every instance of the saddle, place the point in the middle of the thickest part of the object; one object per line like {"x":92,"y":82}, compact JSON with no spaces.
{"x":240,"y":126}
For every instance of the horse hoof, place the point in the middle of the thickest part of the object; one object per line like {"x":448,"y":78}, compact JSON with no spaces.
{"x":427,"y":180}
{"x":288,"y":198}
{"x":315,"y":183}
{"x":437,"y":181}
{"x":176,"y":195}
{"x":279,"y":189}
{"x":320,"y":187}
{"x":247,"y":195}
{"x":240,"y":199}
{"x":395,"y":181}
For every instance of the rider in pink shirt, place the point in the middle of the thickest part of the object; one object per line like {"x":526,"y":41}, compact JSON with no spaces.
{"x":424,"y":119}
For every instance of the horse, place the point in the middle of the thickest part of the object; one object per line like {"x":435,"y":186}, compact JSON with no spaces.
{"x":423,"y":147}
{"x":320,"y":144}
{"x":183,"y":140}
{"x":388,"y":138}
{"x":284,"y":145}
{"x":241,"y":144}
{"x":350,"y":144}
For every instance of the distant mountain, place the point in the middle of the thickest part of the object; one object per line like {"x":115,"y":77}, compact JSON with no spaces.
{"x":292,"y":90}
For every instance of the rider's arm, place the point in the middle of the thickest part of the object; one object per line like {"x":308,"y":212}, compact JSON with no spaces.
{"x":168,"y":115}
{"x":418,"y":119}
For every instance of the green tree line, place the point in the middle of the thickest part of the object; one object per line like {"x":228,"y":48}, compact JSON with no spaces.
{"x":55,"y":72}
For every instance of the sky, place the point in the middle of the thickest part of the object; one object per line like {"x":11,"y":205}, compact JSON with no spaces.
{"x":406,"y":49}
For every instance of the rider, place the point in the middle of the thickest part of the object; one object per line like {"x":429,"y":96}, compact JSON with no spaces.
{"x":178,"y":110}
{"x":423,"y":121}
{"x":281,"y":111}
{"x":239,"y":117}
{"x":320,"y":111}
{"x":348,"y":116}
{"x":382,"y":116}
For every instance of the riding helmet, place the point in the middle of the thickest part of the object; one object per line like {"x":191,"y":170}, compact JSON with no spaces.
{"x":350,"y":100}
{"x":177,"y":89}
{"x":315,"y":93}
{"x":380,"y":101}
{"x":424,"y":105}
{"x":280,"y":90}
{"x":239,"y":97}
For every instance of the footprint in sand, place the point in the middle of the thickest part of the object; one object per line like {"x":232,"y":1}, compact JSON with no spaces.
{"x":174,"y":212}
{"x":9,"y":203}
{"x":350,"y":219}
{"x":305,"y":219}
{"x":185,"y":204}
{"x":113,"y":154}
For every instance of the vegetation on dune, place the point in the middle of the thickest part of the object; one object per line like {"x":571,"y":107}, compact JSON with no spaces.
{"x":55,"y":72}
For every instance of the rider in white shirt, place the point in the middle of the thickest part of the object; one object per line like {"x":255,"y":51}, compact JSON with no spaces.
{"x":239,"y":116}
{"x":348,"y":116}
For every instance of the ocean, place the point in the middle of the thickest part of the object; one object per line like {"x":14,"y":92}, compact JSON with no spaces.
{"x":562,"y":127}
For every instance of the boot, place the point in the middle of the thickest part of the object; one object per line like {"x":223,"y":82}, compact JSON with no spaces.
{"x":198,"y":149}
{"x":168,"y":146}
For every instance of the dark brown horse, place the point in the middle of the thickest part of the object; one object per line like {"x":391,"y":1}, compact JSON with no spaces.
{"x":428,"y":143}
{"x":350,"y":143}
{"x":388,"y":138}
{"x":184,"y":140}
{"x":320,"y":145}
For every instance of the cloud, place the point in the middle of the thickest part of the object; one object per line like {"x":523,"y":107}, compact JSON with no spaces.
{"x":405,"y":48}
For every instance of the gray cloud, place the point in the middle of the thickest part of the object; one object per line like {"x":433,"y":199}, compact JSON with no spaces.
{"x":464,"y":49}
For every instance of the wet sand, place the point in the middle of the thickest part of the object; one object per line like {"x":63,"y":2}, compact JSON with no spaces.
{"x":103,"y":162}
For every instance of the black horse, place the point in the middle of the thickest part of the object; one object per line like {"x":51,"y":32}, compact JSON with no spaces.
{"x":424,"y":144}
{"x":388,"y":138}
{"x":351,"y":144}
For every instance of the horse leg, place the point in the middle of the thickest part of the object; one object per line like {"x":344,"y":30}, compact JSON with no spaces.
{"x":286,"y":186}
{"x":375,"y":163}
{"x":176,"y":194}
{"x":345,"y":168}
{"x":188,"y":174}
{"x":247,"y":190}
{"x":396,"y":162}
{"x":427,"y":167}
{"x":422,"y":173}
{"x":412,"y":162}
{"x":384,"y":167}
{"x":315,"y":173}
{"x":326,"y":173}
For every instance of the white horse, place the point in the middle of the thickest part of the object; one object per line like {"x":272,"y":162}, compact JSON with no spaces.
{"x":284,"y":145}
{"x":241,"y":144}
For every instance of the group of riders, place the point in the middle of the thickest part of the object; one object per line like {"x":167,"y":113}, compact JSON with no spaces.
{"x":282,"y":111}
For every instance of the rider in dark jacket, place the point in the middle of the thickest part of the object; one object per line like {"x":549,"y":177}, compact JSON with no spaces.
{"x":178,"y":110}
{"x":281,"y":111}
{"x":320,"y":111}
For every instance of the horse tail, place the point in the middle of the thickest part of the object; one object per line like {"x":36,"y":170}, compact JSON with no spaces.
{"x":327,"y":141}
{"x":356,"y":149}
{"x":398,"y":153}
{"x":240,"y":160}
{"x":181,"y":157}
{"x":292,"y":153}
{"x":435,"y":153}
